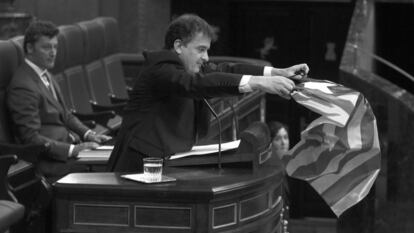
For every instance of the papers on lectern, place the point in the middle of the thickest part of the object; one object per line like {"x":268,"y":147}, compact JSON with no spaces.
{"x":207,"y":149}
{"x":103,"y":152}
{"x":140,"y":177}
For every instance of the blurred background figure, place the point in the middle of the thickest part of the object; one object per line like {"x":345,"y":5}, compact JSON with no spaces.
{"x":279,"y":133}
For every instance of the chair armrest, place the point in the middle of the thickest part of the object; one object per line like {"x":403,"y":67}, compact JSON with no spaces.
{"x":117,"y":100}
{"x":101,"y":118}
{"x":6,"y":160}
{"x":117,"y":108}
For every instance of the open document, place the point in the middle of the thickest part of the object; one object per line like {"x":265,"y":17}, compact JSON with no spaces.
{"x":143,"y":178}
{"x":102,"y":152}
{"x":207,"y":149}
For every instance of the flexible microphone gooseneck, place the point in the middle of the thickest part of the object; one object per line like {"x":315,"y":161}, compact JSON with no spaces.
{"x":219,"y":127}
{"x":235,"y":118}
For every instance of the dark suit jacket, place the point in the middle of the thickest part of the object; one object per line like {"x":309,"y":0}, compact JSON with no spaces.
{"x":164,"y":112}
{"x":39,"y":118}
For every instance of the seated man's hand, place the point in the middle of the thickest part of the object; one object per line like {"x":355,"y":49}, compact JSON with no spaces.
{"x":84,"y":146}
{"x":98,"y":138}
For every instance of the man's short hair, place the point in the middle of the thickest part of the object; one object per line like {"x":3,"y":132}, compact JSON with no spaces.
{"x":185,"y":28}
{"x":37,"y":29}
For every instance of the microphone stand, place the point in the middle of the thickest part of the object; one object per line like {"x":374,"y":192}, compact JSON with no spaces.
{"x":235,"y":118}
{"x":219,"y":126}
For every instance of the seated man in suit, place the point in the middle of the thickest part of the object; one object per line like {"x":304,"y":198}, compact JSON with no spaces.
{"x":166,"y":112}
{"x":37,"y":108}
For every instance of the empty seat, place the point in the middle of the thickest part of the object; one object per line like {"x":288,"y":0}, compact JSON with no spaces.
{"x":73,"y":43}
{"x":74,"y":46}
{"x":111,"y":33}
{"x":113,"y":57}
{"x":95,"y":72}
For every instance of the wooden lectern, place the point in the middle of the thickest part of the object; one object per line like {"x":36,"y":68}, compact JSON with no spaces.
{"x":202,"y":199}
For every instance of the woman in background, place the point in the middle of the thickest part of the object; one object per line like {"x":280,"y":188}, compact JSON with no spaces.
{"x":279,"y":133}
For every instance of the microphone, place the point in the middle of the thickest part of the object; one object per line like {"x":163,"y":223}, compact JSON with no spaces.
{"x":235,"y":119}
{"x":219,"y":127}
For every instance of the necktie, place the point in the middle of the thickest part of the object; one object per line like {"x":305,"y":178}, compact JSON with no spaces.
{"x":49,"y":85}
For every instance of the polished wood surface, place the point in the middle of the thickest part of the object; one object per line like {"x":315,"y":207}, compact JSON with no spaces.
{"x":194,"y":183}
{"x":203,"y":199}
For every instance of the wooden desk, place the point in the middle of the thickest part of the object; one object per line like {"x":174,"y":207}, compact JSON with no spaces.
{"x":201,"y":200}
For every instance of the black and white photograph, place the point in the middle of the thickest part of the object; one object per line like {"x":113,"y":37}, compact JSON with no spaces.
{"x":206,"y":116}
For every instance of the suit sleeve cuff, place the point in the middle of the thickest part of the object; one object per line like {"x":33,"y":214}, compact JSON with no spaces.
{"x":71,"y":147}
{"x":85,"y":135}
{"x":244,"y":86}
{"x":267,"y":71}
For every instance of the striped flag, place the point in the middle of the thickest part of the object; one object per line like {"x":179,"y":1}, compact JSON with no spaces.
{"x":338,"y":154}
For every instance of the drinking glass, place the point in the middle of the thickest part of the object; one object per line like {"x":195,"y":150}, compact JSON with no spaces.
{"x":153,"y":169}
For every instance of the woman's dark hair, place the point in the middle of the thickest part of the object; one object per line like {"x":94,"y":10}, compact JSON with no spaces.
{"x":185,"y":27}
{"x":275,"y":126}
{"x":37,"y":29}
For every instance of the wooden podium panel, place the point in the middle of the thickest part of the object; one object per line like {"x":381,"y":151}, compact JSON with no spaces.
{"x":201,"y":200}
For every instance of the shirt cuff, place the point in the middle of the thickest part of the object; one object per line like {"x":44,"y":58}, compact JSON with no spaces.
{"x":71,"y":147}
{"x":86,"y":134}
{"x":267,"y":71}
{"x":244,"y":84}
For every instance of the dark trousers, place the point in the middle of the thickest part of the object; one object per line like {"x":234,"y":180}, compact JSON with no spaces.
{"x":131,"y":162}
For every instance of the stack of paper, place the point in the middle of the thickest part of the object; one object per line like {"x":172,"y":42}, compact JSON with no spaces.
{"x":102,"y":152}
{"x":207,"y":149}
